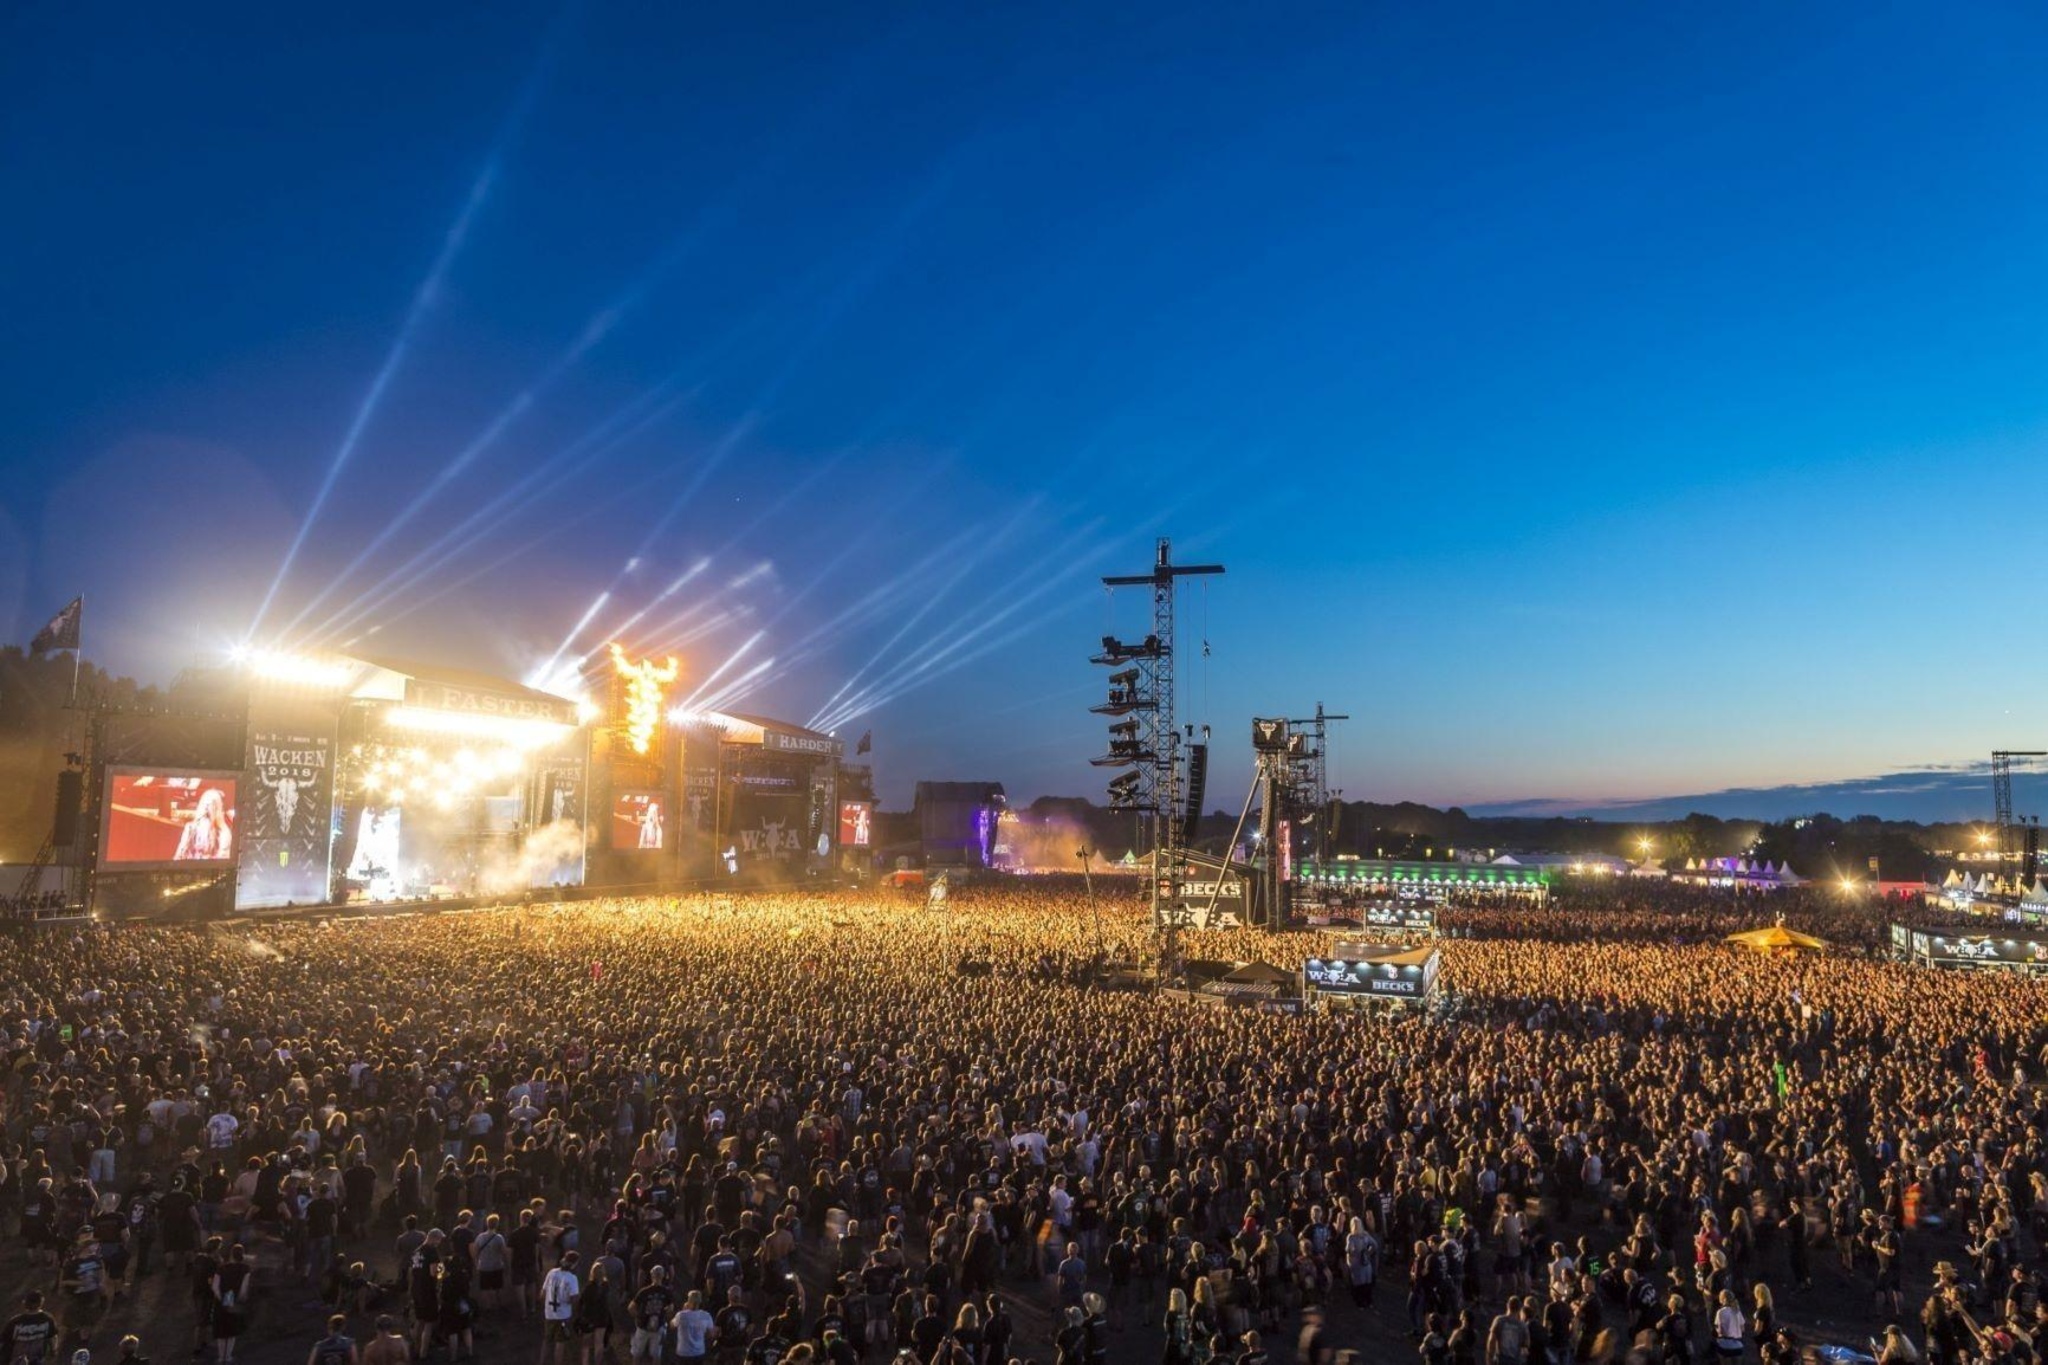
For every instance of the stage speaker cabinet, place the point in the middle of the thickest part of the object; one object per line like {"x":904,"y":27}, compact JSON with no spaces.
{"x":1269,"y":736}
{"x":1198,"y":783}
{"x":70,"y":795}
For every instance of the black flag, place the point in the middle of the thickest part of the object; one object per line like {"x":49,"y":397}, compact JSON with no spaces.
{"x":867,"y":742}
{"x":62,"y":632}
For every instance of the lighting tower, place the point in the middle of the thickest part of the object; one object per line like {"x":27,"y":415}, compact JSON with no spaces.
{"x":2001,"y":799}
{"x":1312,"y":775}
{"x":1144,"y":740}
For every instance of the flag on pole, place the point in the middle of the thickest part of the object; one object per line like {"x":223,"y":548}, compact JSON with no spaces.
{"x":867,"y":742}
{"x":62,"y":632}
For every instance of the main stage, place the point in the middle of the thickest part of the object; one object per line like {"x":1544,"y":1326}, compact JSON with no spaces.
{"x":343,"y":780}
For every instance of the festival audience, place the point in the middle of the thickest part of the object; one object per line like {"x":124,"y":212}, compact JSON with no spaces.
{"x":839,"y":1126}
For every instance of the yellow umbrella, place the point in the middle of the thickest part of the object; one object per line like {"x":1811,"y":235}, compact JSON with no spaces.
{"x":1777,"y":936}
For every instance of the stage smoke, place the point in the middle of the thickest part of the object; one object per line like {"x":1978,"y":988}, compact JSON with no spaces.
{"x":546,"y":852}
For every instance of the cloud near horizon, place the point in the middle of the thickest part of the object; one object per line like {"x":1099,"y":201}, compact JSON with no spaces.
{"x":1942,"y":792}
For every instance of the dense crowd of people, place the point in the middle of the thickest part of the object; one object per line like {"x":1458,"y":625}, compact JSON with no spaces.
{"x":791,"y":1128}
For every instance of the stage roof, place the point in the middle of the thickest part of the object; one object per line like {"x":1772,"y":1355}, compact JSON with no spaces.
{"x":777,"y":735}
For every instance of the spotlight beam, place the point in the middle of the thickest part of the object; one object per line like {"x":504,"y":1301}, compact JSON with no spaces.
{"x":486,"y":522}
{"x":524,"y":547}
{"x":696,"y":695}
{"x":935,"y":652}
{"x":547,"y":669}
{"x":717,"y":457}
{"x":739,"y":687}
{"x":932,"y":601}
{"x":600,"y":325}
{"x":694,"y":571}
{"x":424,"y":299}
{"x":666,"y":632}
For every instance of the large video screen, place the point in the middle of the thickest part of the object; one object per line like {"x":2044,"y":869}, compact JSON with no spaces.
{"x":169,"y":818}
{"x":639,"y":821}
{"x":856,"y":824}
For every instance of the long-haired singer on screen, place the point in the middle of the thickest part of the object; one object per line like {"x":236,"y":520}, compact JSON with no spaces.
{"x":208,"y":836}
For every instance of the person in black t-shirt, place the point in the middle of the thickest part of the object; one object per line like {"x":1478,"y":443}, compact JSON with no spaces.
{"x":28,"y":1334}
{"x":423,"y":1286}
{"x":651,"y":1306}
{"x":323,"y":1222}
{"x":523,"y":1252}
{"x":177,"y":1215}
{"x":735,"y":1322}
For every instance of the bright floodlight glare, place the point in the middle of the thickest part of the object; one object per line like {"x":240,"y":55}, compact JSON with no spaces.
{"x":522,"y":733}
{"x":301,"y":669}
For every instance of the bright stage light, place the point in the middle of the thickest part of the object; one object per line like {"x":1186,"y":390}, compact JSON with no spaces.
{"x":519,"y":733}
{"x":646,"y":689}
{"x":305,"y":670}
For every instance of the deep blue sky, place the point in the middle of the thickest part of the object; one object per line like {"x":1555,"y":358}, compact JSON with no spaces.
{"x":1596,"y":402}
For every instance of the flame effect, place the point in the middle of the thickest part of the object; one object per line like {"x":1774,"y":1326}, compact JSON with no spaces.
{"x":646,"y":693}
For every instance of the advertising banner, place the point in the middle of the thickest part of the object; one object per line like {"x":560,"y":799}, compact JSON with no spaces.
{"x":288,"y":828}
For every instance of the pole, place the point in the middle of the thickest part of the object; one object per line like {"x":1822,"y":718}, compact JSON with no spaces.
{"x":1084,"y":853}
{"x":79,"y":652}
{"x":1216,"y":890}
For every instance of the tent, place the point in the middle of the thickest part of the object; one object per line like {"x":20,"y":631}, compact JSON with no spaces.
{"x":1259,"y":974}
{"x":1255,"y":981}
{"x":1776,"y":937}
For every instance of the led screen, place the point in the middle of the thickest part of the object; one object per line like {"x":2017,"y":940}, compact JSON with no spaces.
{"x":169,"y":817}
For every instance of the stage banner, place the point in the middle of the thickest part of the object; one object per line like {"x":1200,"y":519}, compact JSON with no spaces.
{"x":1205,"y":895}
{"x":768,"y":825}
{"x":287,"y":817}
{"x":561,"y":797}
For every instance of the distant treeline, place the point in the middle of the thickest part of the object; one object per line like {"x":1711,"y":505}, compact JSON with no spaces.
{"x":1816,"y":846}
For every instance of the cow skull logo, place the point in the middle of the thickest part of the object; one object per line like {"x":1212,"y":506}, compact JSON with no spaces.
{"x":284,"y":797}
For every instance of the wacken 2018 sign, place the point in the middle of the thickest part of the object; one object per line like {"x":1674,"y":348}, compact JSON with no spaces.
{"x":287,"y":819}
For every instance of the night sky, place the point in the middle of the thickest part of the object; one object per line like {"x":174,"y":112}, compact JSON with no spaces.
{"x":1595,"y":401}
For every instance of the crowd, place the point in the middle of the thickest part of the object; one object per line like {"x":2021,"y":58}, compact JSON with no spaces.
{"x":792,"y":1128}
